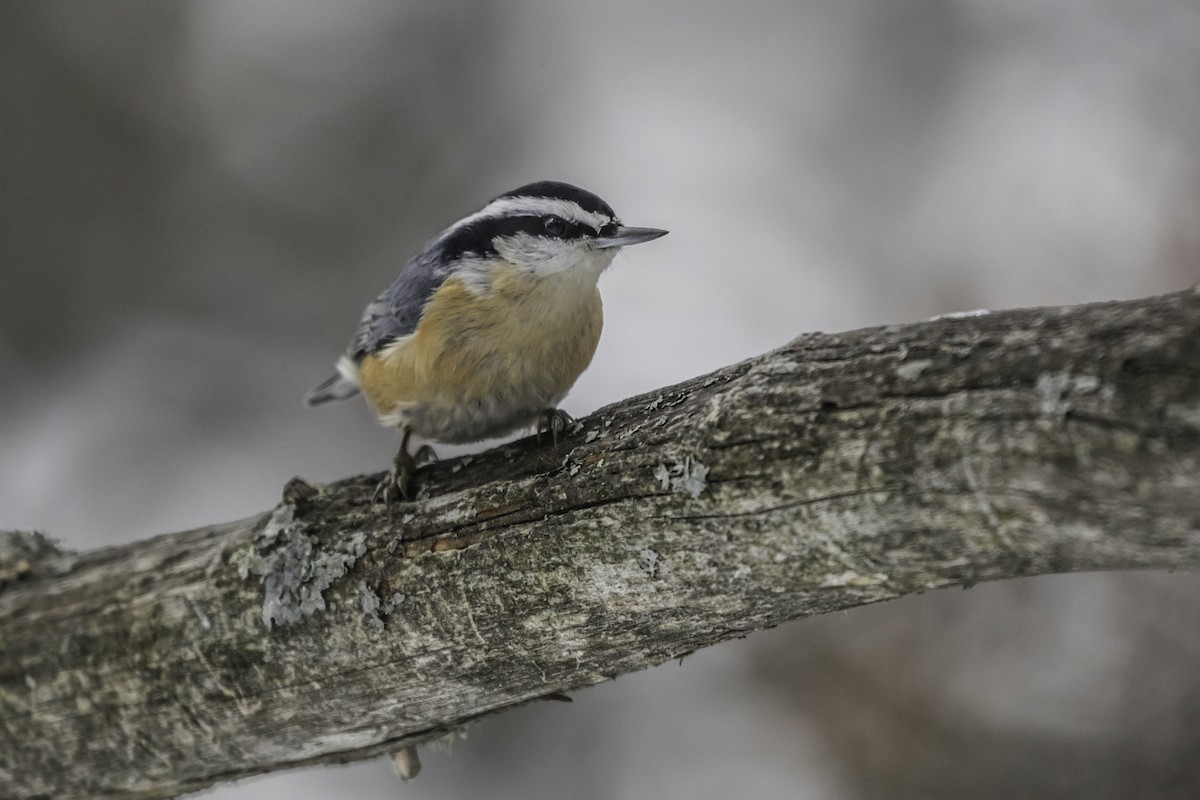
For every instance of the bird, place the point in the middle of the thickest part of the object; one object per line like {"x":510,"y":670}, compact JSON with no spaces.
{"x":487,"y":327}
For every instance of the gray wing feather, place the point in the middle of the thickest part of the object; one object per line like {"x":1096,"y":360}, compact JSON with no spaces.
{"x":392,"y":315}
{"x":396,"y":312}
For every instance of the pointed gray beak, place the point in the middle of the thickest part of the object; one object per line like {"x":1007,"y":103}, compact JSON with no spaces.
{"x":626,"y":236}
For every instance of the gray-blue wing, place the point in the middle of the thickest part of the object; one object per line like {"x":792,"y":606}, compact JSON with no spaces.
{"x":396,"y":312}
{"x":392,"y":315}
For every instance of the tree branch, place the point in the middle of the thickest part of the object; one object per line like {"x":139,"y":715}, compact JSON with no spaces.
{"x":837,"y":471}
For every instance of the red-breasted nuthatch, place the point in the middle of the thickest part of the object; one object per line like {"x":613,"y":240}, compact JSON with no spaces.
{"x":486,"y":329}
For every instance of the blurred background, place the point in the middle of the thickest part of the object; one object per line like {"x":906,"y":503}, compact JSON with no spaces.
{"x":198,"y":198}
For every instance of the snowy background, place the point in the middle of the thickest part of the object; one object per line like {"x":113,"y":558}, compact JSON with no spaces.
{"x":198,"y":198}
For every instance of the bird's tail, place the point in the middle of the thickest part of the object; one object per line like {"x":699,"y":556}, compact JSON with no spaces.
{"x":340,"y":387}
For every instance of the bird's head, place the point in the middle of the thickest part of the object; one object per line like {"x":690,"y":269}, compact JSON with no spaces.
{"x":544,"y":229}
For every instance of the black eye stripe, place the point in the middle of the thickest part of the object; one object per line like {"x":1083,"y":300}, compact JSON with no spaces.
{"x":576,"y":230}
{"x":478,"y":238}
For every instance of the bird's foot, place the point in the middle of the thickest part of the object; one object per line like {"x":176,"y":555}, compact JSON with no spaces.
{"x":397,"y":483}
{"x":553,"y":421}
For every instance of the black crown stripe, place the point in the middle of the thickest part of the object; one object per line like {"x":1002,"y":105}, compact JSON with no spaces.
{"x":563,"y":191}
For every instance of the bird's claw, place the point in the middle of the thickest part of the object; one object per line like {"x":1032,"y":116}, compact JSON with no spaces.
{"x":397,"y":484}
{"x":553,"y":421}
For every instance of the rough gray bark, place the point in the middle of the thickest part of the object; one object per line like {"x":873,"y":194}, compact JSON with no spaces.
{"x":837,"y":471}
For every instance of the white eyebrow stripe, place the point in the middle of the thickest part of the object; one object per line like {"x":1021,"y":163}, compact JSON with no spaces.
{"x":532,"y":206}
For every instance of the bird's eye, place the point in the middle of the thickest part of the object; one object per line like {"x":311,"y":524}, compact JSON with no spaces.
{"x":555,"y":226}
